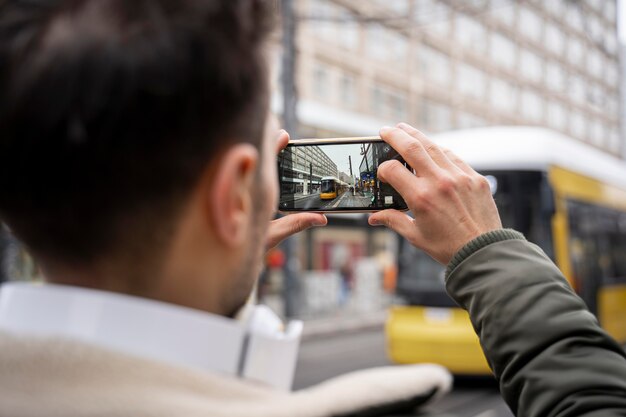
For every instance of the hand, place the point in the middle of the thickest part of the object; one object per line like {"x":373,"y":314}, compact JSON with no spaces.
{"x":451,"y":202}
{"x":291,"y":224}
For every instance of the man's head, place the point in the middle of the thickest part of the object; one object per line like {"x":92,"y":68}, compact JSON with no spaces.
{"x":135,"y":131}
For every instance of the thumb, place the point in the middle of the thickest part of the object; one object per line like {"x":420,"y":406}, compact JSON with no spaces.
{"x":397,"y":221}
{"x":291,"y":224}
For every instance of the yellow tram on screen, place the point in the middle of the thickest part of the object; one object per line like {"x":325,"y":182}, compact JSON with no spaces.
{"x":567,"y":197}
{"x":331,"y":188}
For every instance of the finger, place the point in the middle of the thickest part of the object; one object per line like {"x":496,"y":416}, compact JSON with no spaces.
{"x":463,"y":166}
{"x":411,"y":150}
{"x":435,"y":152}
{"x":396,"y":220}
{"x":401,"y":179}
{"x":282,"y":140}
{"x":284,"y":227}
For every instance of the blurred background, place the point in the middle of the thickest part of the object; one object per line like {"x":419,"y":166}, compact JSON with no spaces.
{"x":348,"y":67}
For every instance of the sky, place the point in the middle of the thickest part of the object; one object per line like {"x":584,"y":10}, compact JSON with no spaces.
{"x":339,"y":155}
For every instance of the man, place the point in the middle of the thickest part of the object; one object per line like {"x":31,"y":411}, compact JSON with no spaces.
{"x":147,"y":158}
{"x":150,"y":197}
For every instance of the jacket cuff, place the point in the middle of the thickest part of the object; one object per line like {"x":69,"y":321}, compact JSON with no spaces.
{"x":480,"y":242}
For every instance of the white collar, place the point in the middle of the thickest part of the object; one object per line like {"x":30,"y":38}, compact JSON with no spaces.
{"x":255,"y":348}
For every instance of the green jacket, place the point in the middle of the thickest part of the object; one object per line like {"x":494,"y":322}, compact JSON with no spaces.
{"x":547,"y":351}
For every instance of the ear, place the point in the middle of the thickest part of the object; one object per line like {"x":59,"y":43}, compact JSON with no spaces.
{"x":230,"y":197}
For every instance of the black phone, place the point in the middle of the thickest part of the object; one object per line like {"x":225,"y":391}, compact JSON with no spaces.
{"x":336,"y":175}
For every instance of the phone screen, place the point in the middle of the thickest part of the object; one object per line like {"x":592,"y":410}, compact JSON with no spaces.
{"x":336,"y":176}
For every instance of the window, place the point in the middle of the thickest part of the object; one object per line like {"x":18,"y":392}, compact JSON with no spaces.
{"x":471,"y":33}
{"x":432,"y":16}
{"x":503,"y":95}
{"x":376,"y":100}
{"x":398,"y":45}
{"x":472,"y":81}
{"x":576,"y":51}
{"x":388,"y":103}
{"x":597,"y":97}
{"x":531,"y":66}
{"x":347,"y":88}
{"x":435,"y":65}
{"x":434,"y":116}
{"x":555,"y":39}
{"x":531,"y":25}
{"x":505,"y":14}
{"x":574,"y":17}
{"x":597,"y":4}
{"x":386,"y":44}
{"x":400,"y":7}
{"x":532,"y":106}
{"x":609,"y":10}
{"x":557,"y":8}
{"x":595,"y":64}
{"x":557,"y":116}
{"x":502,"y":51}
{"x":614,"y":141}
{"x":323,"y":11}
{"x":376,"y":45}
{"x":597,"y":241}
{"x":612,"y":74}
{"x":555,"y":77}
{"x":577,"y":89}
{"x":596,"y":133}
{"x":347,"y":30}
{"x":578,"y":125}
{"x":396,"y":106}
{"x":321,"y":80}
{"x":612,"y":107}
{"x":595,"y":27}
{"x":327,"y":27}
{"x":611,"y":43}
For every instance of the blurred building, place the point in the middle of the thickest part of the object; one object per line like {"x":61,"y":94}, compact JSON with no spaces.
{"x":447,"y":64}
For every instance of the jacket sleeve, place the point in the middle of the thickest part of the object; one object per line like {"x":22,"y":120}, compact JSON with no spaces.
{"x":547,"y":351}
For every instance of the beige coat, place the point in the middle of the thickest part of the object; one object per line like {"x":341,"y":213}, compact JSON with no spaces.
{"x":63,"y":378}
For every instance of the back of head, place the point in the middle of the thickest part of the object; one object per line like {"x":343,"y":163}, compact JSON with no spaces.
{"x":110,"y":110}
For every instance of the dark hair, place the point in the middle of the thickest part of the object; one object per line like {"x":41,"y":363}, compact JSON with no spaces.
{"x":111,"y":109}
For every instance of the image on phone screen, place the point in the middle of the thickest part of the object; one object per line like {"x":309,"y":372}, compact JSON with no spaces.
{"x":336,"y":177}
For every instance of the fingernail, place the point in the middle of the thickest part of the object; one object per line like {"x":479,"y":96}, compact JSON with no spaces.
{"x":374,"y":222}
{"x":386,"y":129}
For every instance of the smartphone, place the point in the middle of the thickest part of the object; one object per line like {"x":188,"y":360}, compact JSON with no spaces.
{"x":336,"y":175}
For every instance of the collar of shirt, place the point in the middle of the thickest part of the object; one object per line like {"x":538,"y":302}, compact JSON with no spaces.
{"x":256,"y":347}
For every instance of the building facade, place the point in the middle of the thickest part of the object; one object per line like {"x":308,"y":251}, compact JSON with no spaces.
{"x":450,"y":64}
{"x":303,"y":168}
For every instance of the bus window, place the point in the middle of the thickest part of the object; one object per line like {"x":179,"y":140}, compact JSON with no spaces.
{"x":518,"y":195}
{"x":520,"y":199}
{"x":421,"y":278}
{"x":597,"y":246}
{"x":328,"y":186}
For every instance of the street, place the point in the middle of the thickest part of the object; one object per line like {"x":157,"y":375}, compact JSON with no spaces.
{"x":327,"y":356}
{"x":345,"y":200}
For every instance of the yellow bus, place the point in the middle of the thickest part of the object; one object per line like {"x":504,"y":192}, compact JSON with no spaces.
{"x":565,"y":196}
{"x":331,"y":188}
